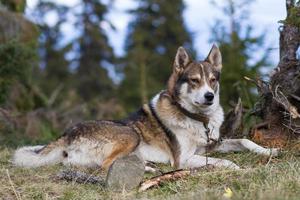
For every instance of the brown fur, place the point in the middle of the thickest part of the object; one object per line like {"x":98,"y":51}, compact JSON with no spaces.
{"x":193,"y":73}
{"x":124,"y":136}
{"x":151,"y":131}
{"x":153,"y":134}
{"x":47,"y":149}
{"x":120,"y":149}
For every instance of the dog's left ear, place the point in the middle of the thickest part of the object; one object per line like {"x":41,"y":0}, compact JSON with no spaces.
{"x":181,"y":59}
{"x":215,"y":58}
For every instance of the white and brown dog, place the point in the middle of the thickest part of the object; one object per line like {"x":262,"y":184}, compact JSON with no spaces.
{"x":178,"y":126}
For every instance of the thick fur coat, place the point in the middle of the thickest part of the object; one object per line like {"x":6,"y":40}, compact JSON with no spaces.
{"x":178,"y":126}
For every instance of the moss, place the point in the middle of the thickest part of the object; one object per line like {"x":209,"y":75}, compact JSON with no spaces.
{"x":293,"y":17}
{"x":15,"y":65}
{"x":18,"y":49}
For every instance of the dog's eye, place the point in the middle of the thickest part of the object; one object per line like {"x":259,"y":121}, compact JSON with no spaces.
{"x":194,"y":80}
{"x":213,"y":80}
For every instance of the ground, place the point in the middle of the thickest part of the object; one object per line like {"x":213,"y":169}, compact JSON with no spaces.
{"x":260,"y":178}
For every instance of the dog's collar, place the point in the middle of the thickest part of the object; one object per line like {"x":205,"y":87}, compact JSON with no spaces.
{"x":195,"y":116}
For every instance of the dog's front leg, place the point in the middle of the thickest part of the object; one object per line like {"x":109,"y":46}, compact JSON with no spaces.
{"x":229,"y":145}
{"x":199,"y":161}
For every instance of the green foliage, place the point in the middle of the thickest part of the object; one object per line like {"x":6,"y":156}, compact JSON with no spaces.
{"x":14,"y":5}
{"x":238,"y":47}
{"x":16,"y":61}
{"x":153,"y":39}
{"x":95,"y":53}
{"x":63,"y":88}
{"x":13,"y":137}
{"x":84,"y":72}
{"x":53,"y":56}
{"x":294,"y":16}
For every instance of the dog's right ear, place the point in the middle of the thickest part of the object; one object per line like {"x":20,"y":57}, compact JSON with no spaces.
{"x":215,"y":58}
{"x":181,"y":59}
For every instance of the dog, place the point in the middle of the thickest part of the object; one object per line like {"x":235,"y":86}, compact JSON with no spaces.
{"x":178,"y":126}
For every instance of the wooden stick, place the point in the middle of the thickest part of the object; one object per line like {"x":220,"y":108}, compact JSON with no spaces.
{"x":18,"y":197}
{"x":169,"y":176}
{"x":157,"y":180}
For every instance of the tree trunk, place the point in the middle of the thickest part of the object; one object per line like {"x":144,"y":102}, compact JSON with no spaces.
{"x":279,"y":106}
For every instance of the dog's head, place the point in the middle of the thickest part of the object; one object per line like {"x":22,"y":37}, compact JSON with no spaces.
{"x":195,"y":84}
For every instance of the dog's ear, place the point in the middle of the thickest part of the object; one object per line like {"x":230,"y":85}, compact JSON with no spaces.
{"x":215,"y":58}
{"x":181,"y":59}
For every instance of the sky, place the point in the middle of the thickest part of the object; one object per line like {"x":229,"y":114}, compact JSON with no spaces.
{"x":198,"y":15}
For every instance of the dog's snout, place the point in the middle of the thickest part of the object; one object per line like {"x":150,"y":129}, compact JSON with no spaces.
{"x":209,"y":96}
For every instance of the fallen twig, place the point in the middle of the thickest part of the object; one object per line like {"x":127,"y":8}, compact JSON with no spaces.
{"x":169,"y":176}
{"x":282,"y":99}
{"x":157,"y":180}
{"x":18,"y":197}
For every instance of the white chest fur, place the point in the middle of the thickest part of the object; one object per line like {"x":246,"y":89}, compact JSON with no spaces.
{"x":191,"y":134}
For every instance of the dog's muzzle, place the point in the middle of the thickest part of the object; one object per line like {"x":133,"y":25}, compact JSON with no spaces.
{"x":209,"y":98}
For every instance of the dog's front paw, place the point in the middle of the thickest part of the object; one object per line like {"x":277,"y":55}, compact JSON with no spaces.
{"x":269,"y":151}
{"x":232,"y":165}
{"x":274,"y":151}
{"x":227,"y":164}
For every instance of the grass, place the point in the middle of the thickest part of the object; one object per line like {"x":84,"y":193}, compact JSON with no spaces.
{"x":259,"y":178}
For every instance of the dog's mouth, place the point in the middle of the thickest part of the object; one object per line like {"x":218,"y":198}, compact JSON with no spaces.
{"x":203,"y":105}
{"x":208,"y":103}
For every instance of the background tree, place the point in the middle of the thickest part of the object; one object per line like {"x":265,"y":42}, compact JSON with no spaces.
{"x":18,"y":42}
{"x":94,"y":52}
{"x":279,"y":105}
{"x":64,"y":88}
{"x":239,"y":49}
{"x":54,"y":65}
{"x":14,"y":5}
{"x":154,"y":35}
{"x":80,"y":62}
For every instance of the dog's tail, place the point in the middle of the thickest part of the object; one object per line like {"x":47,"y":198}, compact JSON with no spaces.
{"x":35,"y":156}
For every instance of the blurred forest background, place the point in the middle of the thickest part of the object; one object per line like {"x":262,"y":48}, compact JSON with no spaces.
{"x":47,"y":84}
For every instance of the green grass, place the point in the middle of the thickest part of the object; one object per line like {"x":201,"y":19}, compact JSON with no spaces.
{"x":259,"y":178}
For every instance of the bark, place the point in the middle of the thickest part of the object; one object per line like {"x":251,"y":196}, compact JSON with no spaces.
{"x":280,"y":103}
{"x":232,"y":127}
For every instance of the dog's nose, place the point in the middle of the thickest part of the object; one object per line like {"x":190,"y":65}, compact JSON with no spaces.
{"x":209,"y":96}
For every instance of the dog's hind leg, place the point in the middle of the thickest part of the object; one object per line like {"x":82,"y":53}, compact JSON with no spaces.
{"x":229,"y":145}
{"x":119,"y":150}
